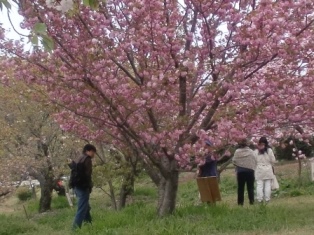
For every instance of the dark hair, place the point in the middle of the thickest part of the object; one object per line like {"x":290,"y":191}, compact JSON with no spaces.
{"x":243,"y":143}
{"x":89,"y":147}
{"x":264,"y":141}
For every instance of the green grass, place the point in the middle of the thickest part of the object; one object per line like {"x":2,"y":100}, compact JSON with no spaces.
{"x":288,"y":213}
{"x":16,"y":225}
{"x":140,"y":219}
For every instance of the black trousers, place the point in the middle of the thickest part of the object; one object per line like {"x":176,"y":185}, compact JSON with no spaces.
{"x":245,"y":177}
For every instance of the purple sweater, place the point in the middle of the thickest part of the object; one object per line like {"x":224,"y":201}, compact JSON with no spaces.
{"x":209,"y":168}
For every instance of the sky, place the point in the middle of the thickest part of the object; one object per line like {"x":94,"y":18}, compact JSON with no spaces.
{"x":16,"y":20}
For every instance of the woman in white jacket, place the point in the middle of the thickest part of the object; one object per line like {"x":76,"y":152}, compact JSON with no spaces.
{"x":264,"y":170}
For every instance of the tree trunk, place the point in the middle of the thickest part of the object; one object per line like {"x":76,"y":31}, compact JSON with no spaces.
{"x":4,"y":193}
{"x":167,"y":193}
{"x":112,"y":195}
{"x":46,"y":186}
{"x":153,"y":173}
{"x":127,"y":188}
{"x":299,"y":168}
{"x":124,"y":193}
{"x":33,"y":191}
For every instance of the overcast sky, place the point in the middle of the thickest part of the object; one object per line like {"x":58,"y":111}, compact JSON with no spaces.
{"x":16,"y":20}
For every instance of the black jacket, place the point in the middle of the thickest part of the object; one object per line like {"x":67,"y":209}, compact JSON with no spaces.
{"x":84,"y":170}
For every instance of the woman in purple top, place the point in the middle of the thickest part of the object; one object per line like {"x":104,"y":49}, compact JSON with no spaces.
{"x":209,"y":168}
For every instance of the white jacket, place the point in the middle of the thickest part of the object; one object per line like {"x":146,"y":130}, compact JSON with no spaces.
{"x":264,"y":162}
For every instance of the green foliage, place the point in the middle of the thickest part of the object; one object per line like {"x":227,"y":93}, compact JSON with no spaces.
{"x":23,"y":194}
{"x":296,"y":193}
{"x":40,"y":28}
{"x":114,"y":167}
{"x":47,"y":42}
{"x":294,"y":187}
{"x":115,"y":172}
{"x":91,"y":3}
{"x":24,"y":119}
{"x":39,"y":33}
{"x":286,"y":152}
{"x":5,"y":3}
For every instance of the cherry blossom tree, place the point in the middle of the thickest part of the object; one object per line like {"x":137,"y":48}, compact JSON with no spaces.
{"x":162,"y":76}
{"x":32,"y":144}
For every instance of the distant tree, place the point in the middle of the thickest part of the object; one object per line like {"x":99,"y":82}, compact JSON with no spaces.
{"x":32,"y":144}
{"x":286,"y":151}
{"x":115,"y":174}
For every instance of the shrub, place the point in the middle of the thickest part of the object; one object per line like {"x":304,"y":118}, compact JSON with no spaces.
{"x":24,"y":194}
{"x":286,"y":153}
{"x":296,"y":193}
{"x":294,"y":187}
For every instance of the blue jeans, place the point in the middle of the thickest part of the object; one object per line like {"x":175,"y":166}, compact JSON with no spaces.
{"x":83,"y":207}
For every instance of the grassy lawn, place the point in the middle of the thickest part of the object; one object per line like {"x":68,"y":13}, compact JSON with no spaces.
{"x":290,"y":212}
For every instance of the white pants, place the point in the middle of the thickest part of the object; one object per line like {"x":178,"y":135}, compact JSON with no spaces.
{"x":263,"y":190}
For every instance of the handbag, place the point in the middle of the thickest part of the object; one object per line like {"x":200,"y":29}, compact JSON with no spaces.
{"x":274,"y":183}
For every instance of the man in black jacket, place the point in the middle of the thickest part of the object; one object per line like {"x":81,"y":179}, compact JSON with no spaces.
{"x":83,"y":184}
